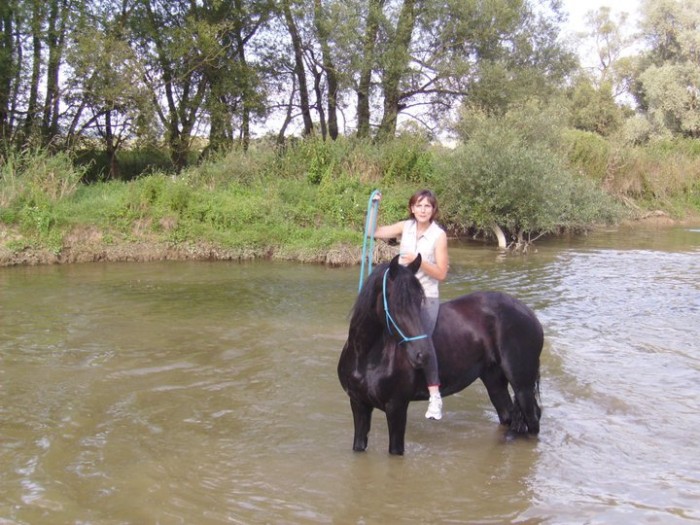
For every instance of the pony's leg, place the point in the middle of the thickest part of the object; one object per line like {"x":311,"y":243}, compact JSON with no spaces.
{"x":362,"y":417}
{"x":526,"y":416}
{"x":497,"y":387}
{"x":396,"y":415}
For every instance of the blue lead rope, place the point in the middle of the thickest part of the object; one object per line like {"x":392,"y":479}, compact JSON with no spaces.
{"x":390,"y":320}
{"x":368,"y":241}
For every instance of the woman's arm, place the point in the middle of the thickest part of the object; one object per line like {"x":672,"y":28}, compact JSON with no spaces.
{"x":389,"y":231}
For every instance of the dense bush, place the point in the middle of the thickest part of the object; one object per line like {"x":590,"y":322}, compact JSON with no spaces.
{"x":497,"y":179}
{"x":525,"y":173}
{"x":133,"y":163}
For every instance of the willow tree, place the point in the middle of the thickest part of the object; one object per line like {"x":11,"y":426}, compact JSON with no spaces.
{"x":324,"y":29}
{"x":395,"y":65}
{"x":597,"y":88}
{"x":367,"y":61}
{"x":164,"y":37}
{"x":668,"y":74}
{"x":105,"y":90}
{"x":32,"y":51}
{"x":48,"y":25}
{"x":307,"y":63}
{"x":429,"y":56}
{"x":299,"y":68}
{"x":57,"y":23}
{"x":224,"y":32}
{"x":610,"y":42}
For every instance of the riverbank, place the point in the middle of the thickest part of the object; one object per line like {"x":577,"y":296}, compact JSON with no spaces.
{"x":89,"y":245}
{"x":86,"y":246}
{"x":308,"y":203}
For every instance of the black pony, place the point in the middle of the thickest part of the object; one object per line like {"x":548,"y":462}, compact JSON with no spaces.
{"x":487,"y":335}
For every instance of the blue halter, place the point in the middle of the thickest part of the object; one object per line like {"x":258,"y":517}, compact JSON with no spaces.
{"x":390,"y":321}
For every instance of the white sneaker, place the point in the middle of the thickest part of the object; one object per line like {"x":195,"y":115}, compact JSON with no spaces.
{"x":434,"y":407}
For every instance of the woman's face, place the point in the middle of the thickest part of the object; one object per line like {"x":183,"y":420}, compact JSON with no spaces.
{"x":422,"y":210}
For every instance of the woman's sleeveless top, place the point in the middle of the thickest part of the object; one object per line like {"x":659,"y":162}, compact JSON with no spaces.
{"x":425,"y":245}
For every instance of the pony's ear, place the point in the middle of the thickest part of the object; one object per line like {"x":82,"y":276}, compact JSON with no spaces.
{"x":394,"y":266}
{"x":415,"y":264}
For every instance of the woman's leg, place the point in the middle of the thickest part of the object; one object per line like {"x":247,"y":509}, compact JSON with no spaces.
{"x":429,"y":313}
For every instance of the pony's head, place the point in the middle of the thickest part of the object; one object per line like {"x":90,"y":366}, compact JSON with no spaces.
{"x":391,"y":299}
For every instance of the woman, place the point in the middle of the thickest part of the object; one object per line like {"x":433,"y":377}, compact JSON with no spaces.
{"x":420,"y":234}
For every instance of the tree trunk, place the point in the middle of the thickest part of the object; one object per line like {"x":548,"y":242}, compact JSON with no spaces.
{"x":179,"y":147}
{"x":219,"y":115}
{"x":247,"y":94}
{"x":318,"y":79}
{"x":287,"y":116}
{"x":299,"y":69}
{"x":498,"y":232}
{"x":396,"y":64}
{"x":365,"y":84}
{"x":329,"y":69}
{"x":55,"y":39}
{"x":184,"y":91}
{"x":32,"y":118}
{"x":111,"y":148}
{"x":7,"y":66}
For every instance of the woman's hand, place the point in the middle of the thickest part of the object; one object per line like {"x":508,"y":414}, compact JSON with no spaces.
{"x":407,"y":258}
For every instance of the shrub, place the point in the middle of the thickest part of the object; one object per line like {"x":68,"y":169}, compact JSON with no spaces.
{"x":501,"y":178}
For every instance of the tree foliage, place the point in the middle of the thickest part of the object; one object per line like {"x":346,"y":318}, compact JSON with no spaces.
{"x":668,"y":74}
{"x":138,"y":71}
{"x":128,"y":70}
{"x":593,"y":108}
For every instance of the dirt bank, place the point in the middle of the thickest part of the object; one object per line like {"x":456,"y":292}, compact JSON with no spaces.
{"x":89,"y":245}
{"x":84,"y":246}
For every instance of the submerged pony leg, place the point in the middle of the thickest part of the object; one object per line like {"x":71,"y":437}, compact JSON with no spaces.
{"x":497,"y":387}
{"x":362,"y":417}
{"x":396,"y":416}
{"x":526,"y":414}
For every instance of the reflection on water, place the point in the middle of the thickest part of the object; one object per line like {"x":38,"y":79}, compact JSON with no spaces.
{"x":206,"y":393}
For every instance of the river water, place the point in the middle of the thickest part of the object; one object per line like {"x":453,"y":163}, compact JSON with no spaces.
{"x":206,"y":393}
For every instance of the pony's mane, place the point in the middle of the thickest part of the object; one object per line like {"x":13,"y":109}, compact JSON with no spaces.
{"x":406,"y":293}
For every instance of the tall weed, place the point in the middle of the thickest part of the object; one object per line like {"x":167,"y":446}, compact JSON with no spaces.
{"x":657,"y":172}
{"x":588,"y":153}
{"x":37,"y":176}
